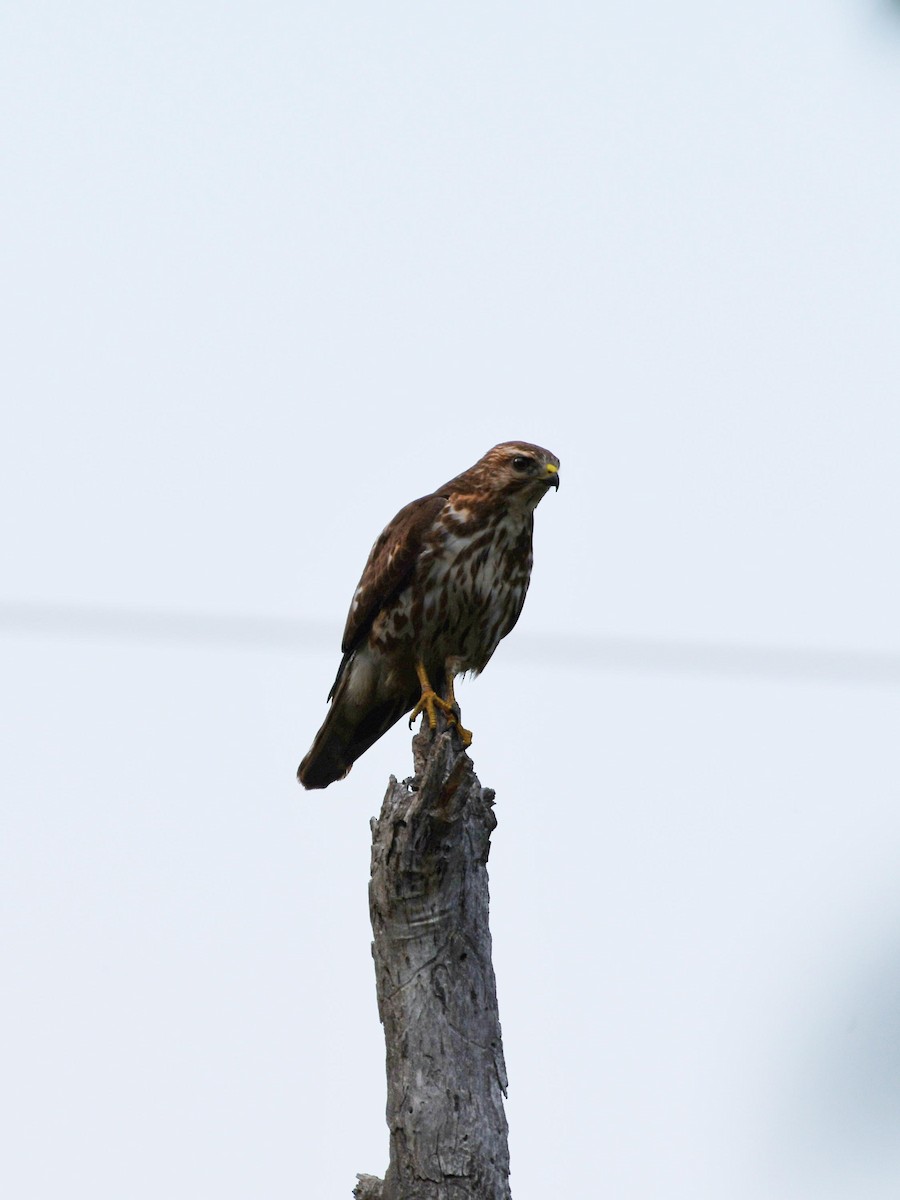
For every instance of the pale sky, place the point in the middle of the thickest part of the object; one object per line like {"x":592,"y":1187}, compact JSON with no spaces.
{"x":271,"y":271}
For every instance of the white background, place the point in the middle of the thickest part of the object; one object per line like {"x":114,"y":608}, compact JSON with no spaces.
{"x":269,"y":272}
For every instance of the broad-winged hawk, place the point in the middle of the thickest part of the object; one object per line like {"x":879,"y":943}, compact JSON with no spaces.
{"x":444,"y":582}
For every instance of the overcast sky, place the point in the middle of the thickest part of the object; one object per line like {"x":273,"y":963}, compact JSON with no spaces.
{"x":271,"y":271}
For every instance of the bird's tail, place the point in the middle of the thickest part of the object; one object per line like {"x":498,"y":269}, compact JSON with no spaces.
{"x":342,"y":739}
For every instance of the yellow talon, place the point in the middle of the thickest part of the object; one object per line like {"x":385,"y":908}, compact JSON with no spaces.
{"x":465,"y":735}
{"x":430,"y":700}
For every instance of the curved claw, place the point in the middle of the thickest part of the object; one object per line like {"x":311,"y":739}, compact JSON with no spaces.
{"x":429,"y":701}
{"x":465,"y":735}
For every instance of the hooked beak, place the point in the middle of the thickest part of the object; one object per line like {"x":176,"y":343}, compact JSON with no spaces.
{"x":552,"y":477}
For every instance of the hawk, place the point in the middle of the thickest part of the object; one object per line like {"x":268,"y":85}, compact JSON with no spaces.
{"x":444,"y":582}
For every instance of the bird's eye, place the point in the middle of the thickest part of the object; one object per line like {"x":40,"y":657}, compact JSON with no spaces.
{"x":521,"y":463}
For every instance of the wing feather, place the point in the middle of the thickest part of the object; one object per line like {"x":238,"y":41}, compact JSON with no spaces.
{"x":388,"y":570}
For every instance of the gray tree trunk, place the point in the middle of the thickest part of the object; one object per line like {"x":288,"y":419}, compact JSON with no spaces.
{"x":437,"y":997}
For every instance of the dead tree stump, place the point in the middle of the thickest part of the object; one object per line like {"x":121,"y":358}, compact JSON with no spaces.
{"x":437,"y":996}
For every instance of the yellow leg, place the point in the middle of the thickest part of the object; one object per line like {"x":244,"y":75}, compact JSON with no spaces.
{"x":430,"y":700}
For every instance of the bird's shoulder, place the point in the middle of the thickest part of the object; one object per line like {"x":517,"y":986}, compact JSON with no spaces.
{"x":390,"y":564}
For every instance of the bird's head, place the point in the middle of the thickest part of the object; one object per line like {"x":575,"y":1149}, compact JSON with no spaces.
{"x":522,"y":472}
{"x":513,"y":474}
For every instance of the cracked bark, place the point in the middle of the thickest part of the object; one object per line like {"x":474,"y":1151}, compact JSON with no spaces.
{"x":437,"y":996}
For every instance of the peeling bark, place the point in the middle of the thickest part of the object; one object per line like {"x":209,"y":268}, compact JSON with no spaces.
{"x":437,"y":997}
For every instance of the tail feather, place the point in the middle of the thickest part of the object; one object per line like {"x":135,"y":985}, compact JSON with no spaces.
{"x":366,"y":701}
{"x":342,"y":739}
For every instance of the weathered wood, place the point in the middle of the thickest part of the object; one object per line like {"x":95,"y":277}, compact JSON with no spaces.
{"x":437,"y":997}
{"x":368,"y":1188}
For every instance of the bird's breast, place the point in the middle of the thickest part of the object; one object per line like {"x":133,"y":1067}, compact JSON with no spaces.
{"x":472,"y":580}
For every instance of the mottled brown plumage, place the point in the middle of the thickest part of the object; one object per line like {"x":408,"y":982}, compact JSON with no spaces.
{"x":444,"y":582}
